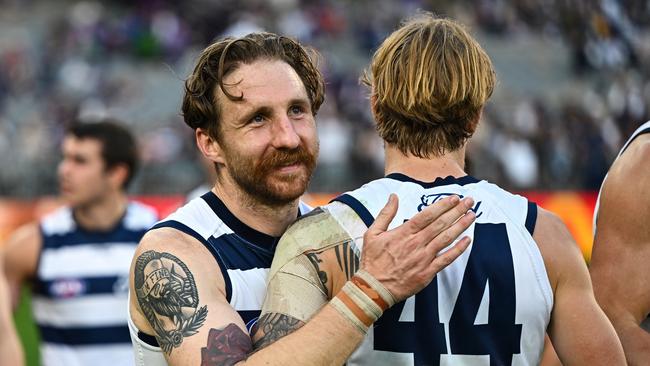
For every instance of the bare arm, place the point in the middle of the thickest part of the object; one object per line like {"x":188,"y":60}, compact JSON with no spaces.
{"x":20,"y":258}
{"x":178,"y":295}
{"x":205,"y":329}
{"x":10,"y":348}
{"x":579,"y":330}
{"x":310,"y":279}
{"x":619,"y":266}
{"x":219,"y":337}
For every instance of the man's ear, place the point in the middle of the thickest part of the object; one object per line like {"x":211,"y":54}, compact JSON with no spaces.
{"x":209,"y":146}
{"x":117,"y":175}
{"x":474,"y":124}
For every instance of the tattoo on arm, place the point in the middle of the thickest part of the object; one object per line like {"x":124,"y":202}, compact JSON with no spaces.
{"x":167,"y":295}
{"x":347,"y":259}
{"x":273,"y":327}
{"x":315,"y":260}
{"x":226,"y":346}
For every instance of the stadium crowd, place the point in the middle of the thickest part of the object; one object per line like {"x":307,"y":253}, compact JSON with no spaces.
{"x":574,"y":83}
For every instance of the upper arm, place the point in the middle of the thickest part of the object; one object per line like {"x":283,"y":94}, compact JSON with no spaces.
{"x":579,"y":330}
{"x":177,"y":295}
{"x":621,"y":253}
{"x":20,"y":256}
{"x":303,"y":278}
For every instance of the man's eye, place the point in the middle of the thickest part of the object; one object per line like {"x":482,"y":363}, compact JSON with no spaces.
{"x":258,"y":118}
{"x":296,"y":110}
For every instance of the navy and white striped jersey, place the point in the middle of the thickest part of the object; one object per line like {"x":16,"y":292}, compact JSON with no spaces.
{"x":489,"y":307}
{"x":244,"y":256}
{"x":81,"y":286}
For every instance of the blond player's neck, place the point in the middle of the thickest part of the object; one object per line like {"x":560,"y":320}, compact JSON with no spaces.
{"x":103,"y":213}
{"x":425,"y":170}
{"x":270,"y":220}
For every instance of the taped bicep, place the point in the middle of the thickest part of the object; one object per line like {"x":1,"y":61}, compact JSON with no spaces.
{"x":312,"y":261}
{"x":297,"y":288}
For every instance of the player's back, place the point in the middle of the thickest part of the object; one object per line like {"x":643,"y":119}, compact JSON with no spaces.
{"x":489,"y":307}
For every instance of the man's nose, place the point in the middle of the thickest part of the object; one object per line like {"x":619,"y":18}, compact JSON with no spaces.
{"x":285,"y":134}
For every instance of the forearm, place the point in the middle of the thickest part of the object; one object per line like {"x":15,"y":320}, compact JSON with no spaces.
{"x":329,"y":338}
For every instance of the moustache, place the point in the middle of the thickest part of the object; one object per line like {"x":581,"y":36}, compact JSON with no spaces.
{"x":285,"y":157}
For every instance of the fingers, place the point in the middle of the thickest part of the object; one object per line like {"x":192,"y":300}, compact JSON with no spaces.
{"x":433,"y":212}
{"x":385,"y":216}
{"x":445,"y":221}
{"x":451,"y":233}
{"x":442,"y":260}
{"x":446,"y":258}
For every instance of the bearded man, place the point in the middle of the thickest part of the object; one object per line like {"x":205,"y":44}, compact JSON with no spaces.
{"x":198,"y":278}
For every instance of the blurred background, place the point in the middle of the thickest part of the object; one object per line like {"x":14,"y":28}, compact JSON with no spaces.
{"x":573,"y":83}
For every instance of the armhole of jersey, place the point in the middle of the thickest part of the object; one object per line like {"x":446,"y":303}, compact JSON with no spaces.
{"x":134,"y":331}
{"x":357,"y":207}
{"x":148,"y":339}
{"x":531,"y":217}
{"x":628,"y":143}
{"x":185,"y":229}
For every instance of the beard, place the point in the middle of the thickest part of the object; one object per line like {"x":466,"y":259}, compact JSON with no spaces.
{"x":263,"y":181}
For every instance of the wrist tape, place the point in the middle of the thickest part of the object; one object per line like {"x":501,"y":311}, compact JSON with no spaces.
{"x":362,"y":300}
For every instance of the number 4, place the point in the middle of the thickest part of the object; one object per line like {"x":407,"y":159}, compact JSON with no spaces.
{"x":490,"y":261}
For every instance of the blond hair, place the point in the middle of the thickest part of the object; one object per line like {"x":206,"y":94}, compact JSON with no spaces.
{"x":429,"y":81}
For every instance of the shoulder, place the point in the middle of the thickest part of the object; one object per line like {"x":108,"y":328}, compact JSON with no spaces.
{"x":314,"y":232}
{"x":21,"y":251}
{"x":28,"y":233}
{"x":167,"y":239}
{"x":634,"y":159}
{"x":183,"y":248}
{"x":180,"y":248}
{"x":306,"y":234}
{"x":624,"y":201}
{"x":561,"y":254}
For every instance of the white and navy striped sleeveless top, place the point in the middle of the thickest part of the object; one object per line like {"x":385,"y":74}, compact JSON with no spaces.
{"x":489,"y":307}
{"x":81,"y":287}
{"x":244,"y":256}
{"x":643,"y":129}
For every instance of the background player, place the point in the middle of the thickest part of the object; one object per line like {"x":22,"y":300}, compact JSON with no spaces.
{"x":76,"y":259}
{"x":429,"y":81}
{"x":621,"y":253}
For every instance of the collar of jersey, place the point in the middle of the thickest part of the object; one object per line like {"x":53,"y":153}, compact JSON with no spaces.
{"x":461,"y":181}
{"x":251,"y":235}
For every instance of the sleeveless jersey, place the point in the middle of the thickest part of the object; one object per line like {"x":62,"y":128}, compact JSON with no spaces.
{"x":244,"y":256}
{"x":81,"y":285}
{"x":489,"y":307}
{"x":644,"y":128}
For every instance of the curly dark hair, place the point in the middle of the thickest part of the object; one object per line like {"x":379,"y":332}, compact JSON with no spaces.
{"x":200,"y":104}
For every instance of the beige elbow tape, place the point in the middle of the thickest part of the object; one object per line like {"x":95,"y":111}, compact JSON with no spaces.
{"x":362,"y":300}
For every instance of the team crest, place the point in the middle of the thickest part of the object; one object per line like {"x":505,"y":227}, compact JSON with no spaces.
{"x":430,"y":199}
{"x":67,"y":288}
